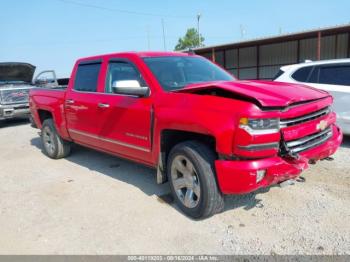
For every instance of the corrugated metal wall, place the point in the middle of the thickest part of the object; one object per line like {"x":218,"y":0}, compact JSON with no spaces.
{"x":272,"y":56}
{"x":279,"y":53}
{"x":308,"y":49}
{"x":343,"y":45}
{"x":262,"y":61}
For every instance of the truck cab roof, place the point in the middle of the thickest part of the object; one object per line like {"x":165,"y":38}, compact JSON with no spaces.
{"x":137,"y":54}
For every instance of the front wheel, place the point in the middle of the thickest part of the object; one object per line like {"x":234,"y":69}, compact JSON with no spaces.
{"x":191,"y":174}
{"x":53,"y":145}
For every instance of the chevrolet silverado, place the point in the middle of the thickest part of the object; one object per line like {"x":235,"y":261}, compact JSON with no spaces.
{"x":205,"y":132}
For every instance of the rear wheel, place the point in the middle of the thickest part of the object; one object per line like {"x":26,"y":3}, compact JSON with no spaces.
{"x":53,"y":145}
{"x":192,"y":180}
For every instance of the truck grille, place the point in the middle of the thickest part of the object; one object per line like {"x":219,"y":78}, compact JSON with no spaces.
{"x":14,"y":96}
{"x":308,"y":142}
{"x":304,"y":118}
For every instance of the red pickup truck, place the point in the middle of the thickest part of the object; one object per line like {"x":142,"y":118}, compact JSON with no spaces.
{"x":205,"y":132}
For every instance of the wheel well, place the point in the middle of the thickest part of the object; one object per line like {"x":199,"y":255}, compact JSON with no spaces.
{"x":43,"y":115}
{"x":170,"y":138}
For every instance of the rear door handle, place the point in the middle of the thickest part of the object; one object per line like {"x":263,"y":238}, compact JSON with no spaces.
{"x":70,"y":101}
{"x":102,"y":105}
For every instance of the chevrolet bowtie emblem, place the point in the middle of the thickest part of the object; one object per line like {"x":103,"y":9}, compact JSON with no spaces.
{"x":322,"y":125}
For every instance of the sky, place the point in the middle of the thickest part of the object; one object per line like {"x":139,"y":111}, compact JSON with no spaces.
{"x":52,"y":34}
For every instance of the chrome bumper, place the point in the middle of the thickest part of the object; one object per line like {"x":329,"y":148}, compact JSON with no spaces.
{"x":14,"y":110}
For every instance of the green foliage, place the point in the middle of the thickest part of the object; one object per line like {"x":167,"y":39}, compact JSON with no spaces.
{"x":190,"y":40}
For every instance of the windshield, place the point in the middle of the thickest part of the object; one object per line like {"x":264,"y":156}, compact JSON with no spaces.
{"x":176,"y":72}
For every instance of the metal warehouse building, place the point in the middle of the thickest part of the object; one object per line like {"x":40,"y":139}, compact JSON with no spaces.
{"x":262,"y":58}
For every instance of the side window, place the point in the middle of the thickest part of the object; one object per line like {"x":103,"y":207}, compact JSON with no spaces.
{"x":302,"y":74}
{"x":86,"y":77}
{"x":314,"y":75}
{"x":335,"y":75}
{"x":118,"y":71}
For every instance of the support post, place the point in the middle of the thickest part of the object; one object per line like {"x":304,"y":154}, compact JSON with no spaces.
{"x":319,"y":45}
{"x":349,"y":44}
{"x":298,"y":52}
{"x":258,"y":62}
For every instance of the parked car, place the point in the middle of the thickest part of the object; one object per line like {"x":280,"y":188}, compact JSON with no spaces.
{"x":204,"y":132}
{"x":15,"y":83}
{"x":330,"y":75}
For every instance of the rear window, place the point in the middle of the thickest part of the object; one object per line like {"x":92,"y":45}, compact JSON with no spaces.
{"x":335,"y":75}
{"x":302,"y":74}
{"x":86,"y":77}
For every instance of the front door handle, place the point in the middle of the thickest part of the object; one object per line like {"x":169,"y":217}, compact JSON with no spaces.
{"x":70,"y":101}
{"x":102,"y":105}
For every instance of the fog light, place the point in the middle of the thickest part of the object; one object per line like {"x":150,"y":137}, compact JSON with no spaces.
{"x":8,"y":112}
{"x":260,"y":174}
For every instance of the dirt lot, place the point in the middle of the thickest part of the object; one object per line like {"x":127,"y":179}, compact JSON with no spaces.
{"x":92,"y":203}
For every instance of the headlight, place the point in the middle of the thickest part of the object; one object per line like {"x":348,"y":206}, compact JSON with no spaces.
{"x":260,"y":126}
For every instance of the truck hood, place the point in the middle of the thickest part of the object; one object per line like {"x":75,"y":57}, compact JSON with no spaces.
{"x":14,"y":71}
{"x":266,"y":93}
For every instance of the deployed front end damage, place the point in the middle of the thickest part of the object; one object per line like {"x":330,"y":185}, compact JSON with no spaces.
{"x":278,"y":138}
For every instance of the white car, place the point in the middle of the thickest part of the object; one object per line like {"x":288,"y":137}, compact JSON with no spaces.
{"x":330,"y":75}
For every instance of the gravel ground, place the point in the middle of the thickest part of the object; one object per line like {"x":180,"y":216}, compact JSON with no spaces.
{"x":92,"y":203}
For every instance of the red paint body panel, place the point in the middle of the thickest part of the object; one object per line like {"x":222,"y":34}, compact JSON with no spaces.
{"x":239,"y":177}
{"x":132,"y":127}
{"x":267,"y":93}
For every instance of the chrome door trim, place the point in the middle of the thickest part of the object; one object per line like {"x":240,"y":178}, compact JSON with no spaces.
{"x":117,"y":142}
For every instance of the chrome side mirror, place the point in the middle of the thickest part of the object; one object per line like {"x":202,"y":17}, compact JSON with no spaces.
{"x":130,"y":87}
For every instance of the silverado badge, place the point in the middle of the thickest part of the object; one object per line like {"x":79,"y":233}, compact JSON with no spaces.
{"x":322,"y":125}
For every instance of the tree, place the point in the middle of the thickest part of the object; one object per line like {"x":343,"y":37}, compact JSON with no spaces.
{"x":190,"y":40}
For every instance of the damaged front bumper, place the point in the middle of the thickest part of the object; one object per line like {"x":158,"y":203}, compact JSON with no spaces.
{"x":239,"y":177}
{"x":14,"y":111}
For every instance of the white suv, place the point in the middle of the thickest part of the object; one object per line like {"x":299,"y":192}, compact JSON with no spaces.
{"x":330,"y":75}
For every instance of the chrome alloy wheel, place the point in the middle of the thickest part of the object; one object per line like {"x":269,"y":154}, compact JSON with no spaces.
{"x":185,"y":181}
{"x":48,"y":138}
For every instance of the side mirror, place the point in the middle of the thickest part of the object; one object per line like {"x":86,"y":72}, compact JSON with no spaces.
{"x":130,"y":87}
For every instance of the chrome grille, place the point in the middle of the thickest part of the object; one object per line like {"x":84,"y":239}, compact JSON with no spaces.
{"x":14,"y":96}
{"x":308,"y":142}
{"x":304,"y":118}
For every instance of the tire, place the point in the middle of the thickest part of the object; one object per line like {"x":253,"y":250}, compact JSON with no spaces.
{"x":190,"y":168}
{"x":53,"y":145}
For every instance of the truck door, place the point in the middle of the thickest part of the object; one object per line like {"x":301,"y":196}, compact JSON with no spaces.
{"x":125,"y":121}
{"x":82,"y":111}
